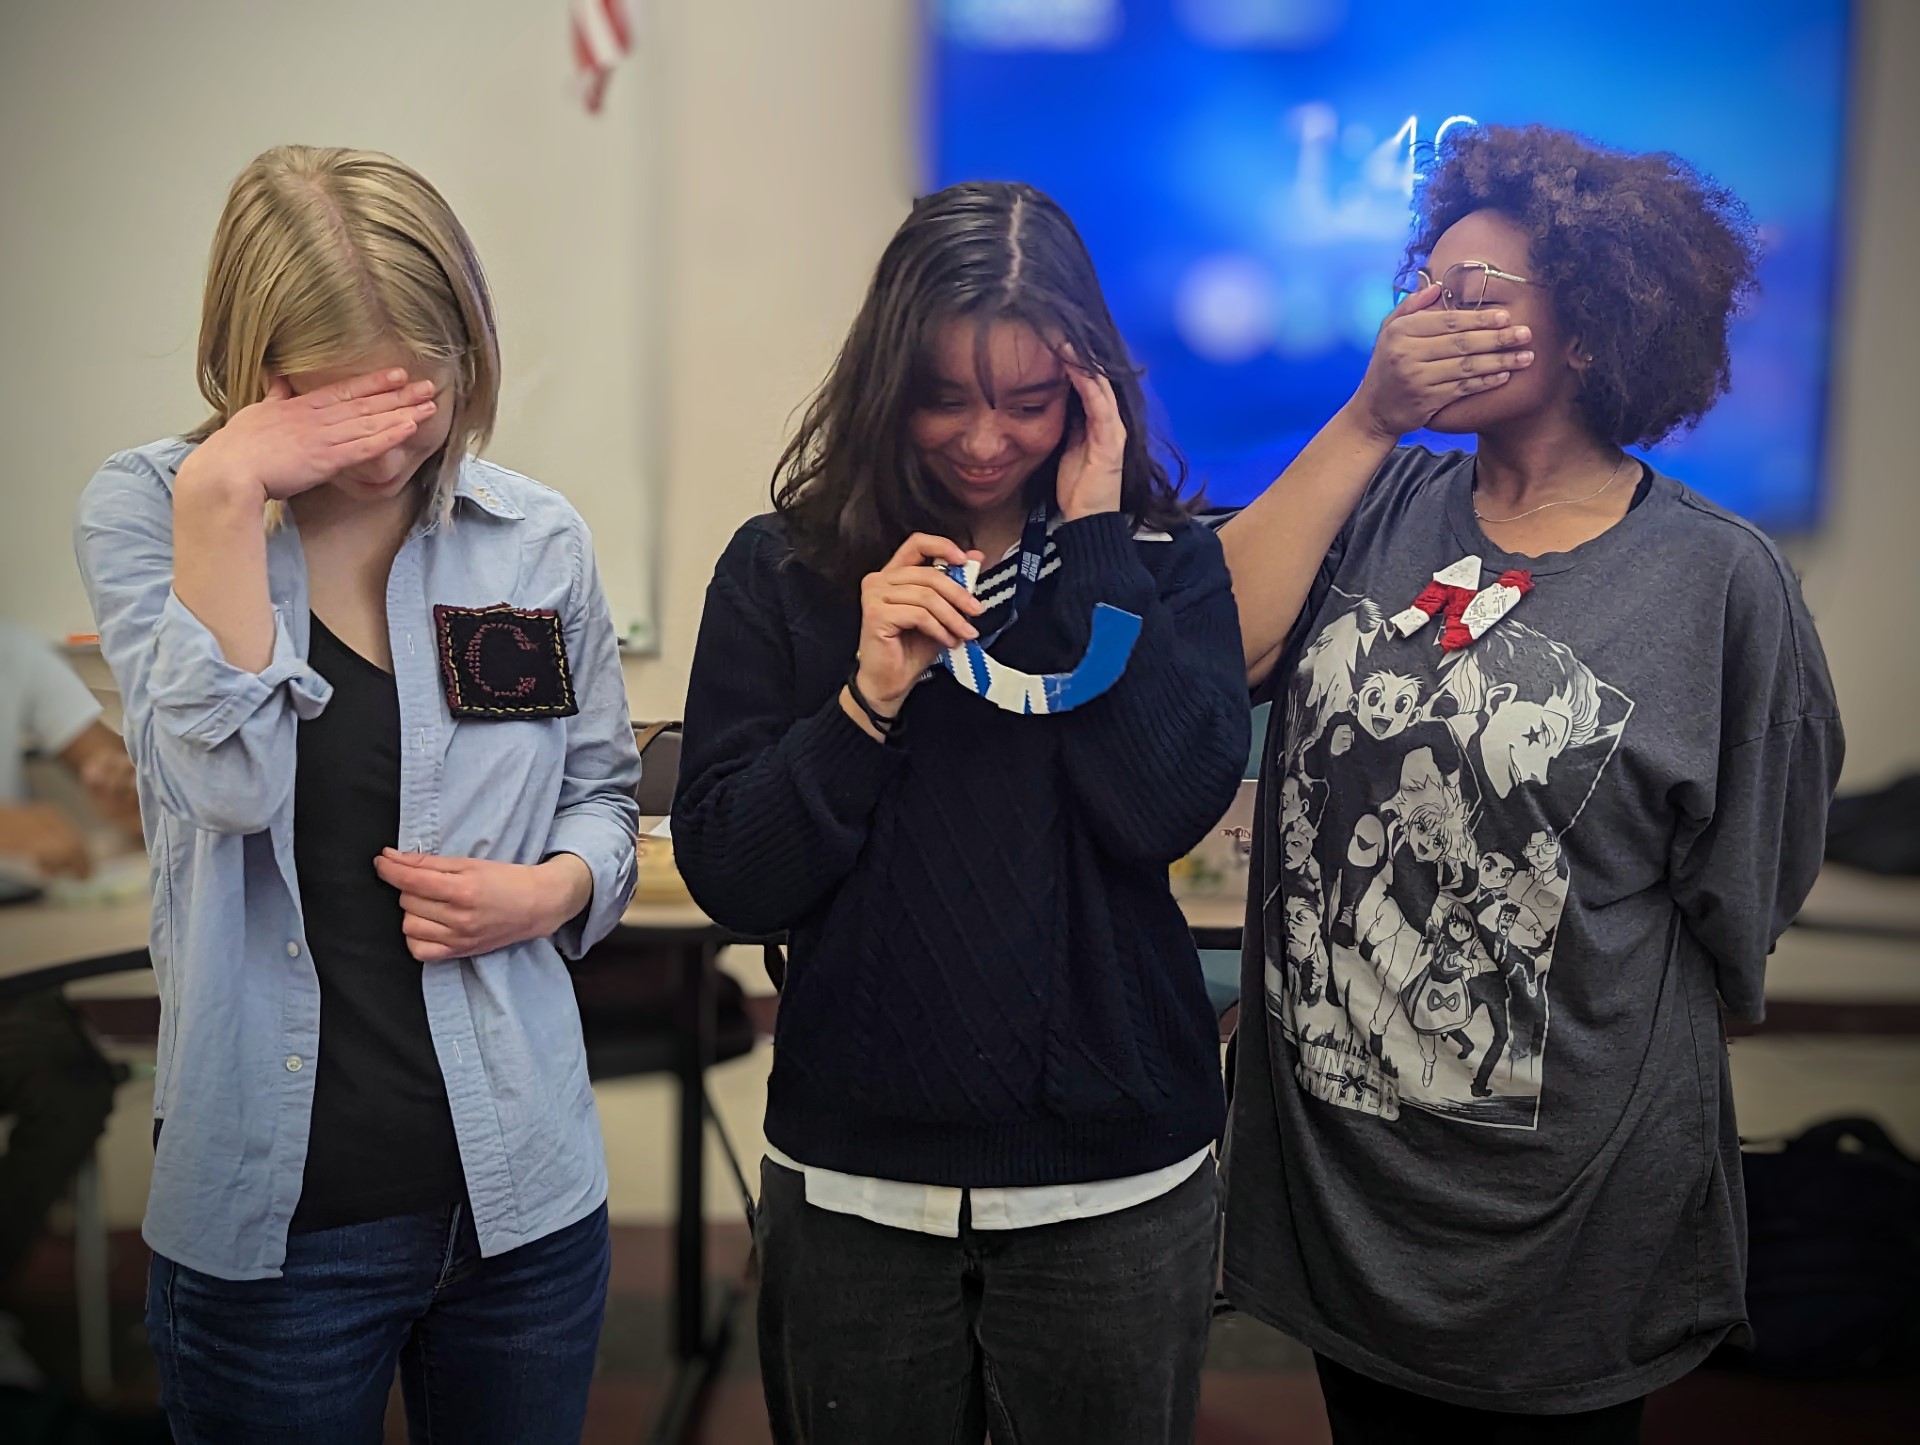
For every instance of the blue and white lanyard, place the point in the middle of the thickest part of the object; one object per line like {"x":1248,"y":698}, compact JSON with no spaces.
{"x":1114,"y":633}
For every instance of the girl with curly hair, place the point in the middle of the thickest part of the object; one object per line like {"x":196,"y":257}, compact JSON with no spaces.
{"x":1508,"y":1240}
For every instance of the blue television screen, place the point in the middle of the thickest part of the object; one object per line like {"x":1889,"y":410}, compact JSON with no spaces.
{"x":1241,"y":170}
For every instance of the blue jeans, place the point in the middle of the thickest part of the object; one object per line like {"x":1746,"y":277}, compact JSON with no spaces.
{"x":497,"y":1349}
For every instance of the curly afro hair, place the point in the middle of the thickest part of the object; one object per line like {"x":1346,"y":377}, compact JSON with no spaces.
{"x":1645,"y":258}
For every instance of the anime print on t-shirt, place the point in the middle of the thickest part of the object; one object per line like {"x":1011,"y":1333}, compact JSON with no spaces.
{"x":1423,"y":799}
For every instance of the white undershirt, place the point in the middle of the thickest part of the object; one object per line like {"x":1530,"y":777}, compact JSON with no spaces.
{"x":935,"y":1208}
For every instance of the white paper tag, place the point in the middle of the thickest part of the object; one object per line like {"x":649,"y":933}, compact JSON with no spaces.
{"x":1409,"y":622}
{"x":1465,"y":574}
{"x":1487,"y":608}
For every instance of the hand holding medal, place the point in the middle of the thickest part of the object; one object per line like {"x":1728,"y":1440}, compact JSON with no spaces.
{"x":909,"y":614}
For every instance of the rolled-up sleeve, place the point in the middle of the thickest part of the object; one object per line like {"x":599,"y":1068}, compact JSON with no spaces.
{"x":598,"y":820}
{"x":213,"y":743}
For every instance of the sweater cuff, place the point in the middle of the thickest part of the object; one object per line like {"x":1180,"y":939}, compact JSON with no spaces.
{"x":1098,"y":561}
{"x":849,"y":767}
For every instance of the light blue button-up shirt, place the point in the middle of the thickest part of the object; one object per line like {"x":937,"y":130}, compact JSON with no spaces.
{"x":215,"y":748}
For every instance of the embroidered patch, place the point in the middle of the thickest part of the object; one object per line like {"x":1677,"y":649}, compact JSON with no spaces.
{"x":504,"y":662}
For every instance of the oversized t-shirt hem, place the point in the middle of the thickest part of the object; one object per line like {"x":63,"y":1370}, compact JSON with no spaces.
{"x":1596,"y":1394}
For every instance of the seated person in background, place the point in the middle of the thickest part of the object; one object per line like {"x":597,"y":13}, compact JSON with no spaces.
{"x":44,"y":704}
{"x":54,"y":1084}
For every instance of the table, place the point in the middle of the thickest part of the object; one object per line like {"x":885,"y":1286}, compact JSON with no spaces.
{"x":43,"y":945}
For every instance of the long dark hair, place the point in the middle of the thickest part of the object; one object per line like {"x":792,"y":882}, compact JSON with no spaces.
{"x":849,"y":484}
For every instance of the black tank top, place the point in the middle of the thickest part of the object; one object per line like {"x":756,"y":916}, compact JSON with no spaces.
{"x":382,"y":1140}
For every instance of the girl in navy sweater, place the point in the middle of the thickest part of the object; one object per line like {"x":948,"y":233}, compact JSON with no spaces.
{"x":989,"y":1199}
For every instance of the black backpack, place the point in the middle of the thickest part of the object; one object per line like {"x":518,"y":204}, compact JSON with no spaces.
{"x":1833,"y":1272}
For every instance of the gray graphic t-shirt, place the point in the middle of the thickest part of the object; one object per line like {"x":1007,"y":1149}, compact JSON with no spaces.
{"x":1482,"y":1144}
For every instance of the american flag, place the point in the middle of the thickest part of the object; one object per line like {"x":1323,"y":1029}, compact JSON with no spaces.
{"x":603,"y":34}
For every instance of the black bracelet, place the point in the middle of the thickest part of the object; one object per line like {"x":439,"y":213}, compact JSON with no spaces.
{"x":880,"y":721}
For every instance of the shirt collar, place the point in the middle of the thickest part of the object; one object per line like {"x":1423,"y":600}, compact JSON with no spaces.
{"x":467,"y":488}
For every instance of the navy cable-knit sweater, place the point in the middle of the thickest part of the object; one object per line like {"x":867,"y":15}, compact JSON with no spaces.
{"x":990,"y":983}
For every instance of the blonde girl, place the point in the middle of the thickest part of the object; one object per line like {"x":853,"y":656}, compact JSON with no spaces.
{"x":374,"y":701}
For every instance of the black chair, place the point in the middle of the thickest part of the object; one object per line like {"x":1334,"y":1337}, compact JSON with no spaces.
{"x":659,"y":744}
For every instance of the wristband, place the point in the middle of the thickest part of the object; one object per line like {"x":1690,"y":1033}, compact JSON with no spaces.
{"x":881,"y":722}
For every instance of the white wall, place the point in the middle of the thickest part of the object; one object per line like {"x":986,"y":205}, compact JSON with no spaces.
{"x":1862,"y":573}
{"x":125,"y":122}
{"x":792,"y":161}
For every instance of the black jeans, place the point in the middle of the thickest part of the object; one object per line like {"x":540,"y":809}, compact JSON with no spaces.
{"x":1087,"y":1330}
{"x":59,"y":1090}
{"x":1366,"y":1412}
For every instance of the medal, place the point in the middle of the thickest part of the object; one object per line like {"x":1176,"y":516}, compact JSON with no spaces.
{"x":1114,"y":633}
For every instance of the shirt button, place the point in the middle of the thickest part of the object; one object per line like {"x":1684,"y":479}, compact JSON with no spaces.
{"x":293,"y":949}
{"x":293,"y":1063}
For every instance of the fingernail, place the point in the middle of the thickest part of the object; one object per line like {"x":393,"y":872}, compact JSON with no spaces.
{"x":396,"y":376}
{"x":1523,"y":333}
{"x":1500,"y":318}
{"x":1525,"y":357}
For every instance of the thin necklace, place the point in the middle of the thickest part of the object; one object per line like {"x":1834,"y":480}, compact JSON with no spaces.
{"x":1612,"y":476}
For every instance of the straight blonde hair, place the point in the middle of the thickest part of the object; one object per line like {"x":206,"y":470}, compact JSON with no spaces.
{"x":323,"y":256}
